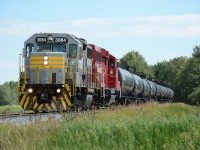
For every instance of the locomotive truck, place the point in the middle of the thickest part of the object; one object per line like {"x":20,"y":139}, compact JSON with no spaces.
{"x":59,"y":72}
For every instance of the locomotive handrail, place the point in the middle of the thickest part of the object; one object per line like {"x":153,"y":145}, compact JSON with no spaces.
{"x":37,"y":75}
{"x":50,"y":74}
{"x":18,"y":86}
{"x":95,"y":75}
{"x":23,"y":72}
{"x":72,"y":78}
{"x":25,"y":82}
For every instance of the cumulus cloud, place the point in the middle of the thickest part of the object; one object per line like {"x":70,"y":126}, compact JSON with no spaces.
{"x":147,"y":26}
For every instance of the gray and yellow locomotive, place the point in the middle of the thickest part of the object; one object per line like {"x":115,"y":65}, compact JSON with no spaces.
{"x":50,"y":66}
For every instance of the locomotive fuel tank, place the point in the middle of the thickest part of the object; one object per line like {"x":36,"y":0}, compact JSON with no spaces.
{"x":127,"y":82}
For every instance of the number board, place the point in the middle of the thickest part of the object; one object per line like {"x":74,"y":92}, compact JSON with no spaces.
{"x":41,"y":39}
{"x":60,"y":40}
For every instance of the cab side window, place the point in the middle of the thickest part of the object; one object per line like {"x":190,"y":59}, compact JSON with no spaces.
{"x":89,"y":53}
{"x":29,"y":49}
{"x":111,"y":63}
{"x":72,"y":50}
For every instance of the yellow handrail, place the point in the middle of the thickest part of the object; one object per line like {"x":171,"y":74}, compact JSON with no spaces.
{"x":95,"y":76}
{"x":18,"y":86}
{"x":24,"y":74}
{"x":50,"y":74}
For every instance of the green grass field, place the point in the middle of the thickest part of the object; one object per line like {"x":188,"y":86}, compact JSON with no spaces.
{"x":150,"y":126}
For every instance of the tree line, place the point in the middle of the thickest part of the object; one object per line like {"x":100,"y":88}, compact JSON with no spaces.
{"x":182,"y":74}
{"x":8,"y":93}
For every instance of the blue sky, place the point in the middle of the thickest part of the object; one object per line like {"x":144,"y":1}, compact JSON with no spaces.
{"x":159,"y":29}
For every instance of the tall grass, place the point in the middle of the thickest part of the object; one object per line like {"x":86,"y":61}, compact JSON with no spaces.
{"x":10,"y":109}
{"x":150,"y":126}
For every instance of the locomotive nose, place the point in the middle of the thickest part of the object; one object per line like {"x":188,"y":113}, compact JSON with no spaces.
{"x":44,"y":97}
{"x":47,"y":68}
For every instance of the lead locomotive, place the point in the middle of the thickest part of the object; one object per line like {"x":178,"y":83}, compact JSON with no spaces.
{"x":60,"y":72}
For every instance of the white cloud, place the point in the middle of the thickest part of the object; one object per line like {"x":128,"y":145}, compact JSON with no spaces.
{"x":156,"y":26}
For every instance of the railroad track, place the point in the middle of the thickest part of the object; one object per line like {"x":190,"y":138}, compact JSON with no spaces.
{"x":3,"y":116}
{"x":28,"y":118}
{"x":31,"y":117}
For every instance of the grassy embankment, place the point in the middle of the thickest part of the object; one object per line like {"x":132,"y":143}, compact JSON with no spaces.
{"x":151,"y":126}
{"x":10,"y":109}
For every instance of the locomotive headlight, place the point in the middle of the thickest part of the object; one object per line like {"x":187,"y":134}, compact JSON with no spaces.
{"x":45,"y":62}
{"x":30,"y":90}
{"x":46,"y":57}
{"x":111,"y":71}
{"x":58,"y":90}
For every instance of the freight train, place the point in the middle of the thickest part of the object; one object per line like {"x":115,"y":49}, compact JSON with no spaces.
{"x":59,"y":72}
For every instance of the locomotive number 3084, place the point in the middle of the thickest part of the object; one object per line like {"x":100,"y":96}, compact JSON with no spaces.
{"x":60,"y":40}
{"x":41,"y":39}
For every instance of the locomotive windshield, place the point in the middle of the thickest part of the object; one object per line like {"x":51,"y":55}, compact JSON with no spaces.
{"x":54,"y":47}
{"x":59,"y":48}
{"x":43,"y":47}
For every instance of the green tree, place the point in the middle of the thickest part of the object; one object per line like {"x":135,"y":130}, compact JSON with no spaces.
{"x":168,"y":72}
{"x":11,"y":84}
{"x":194,"y":97}
{"x":134,"y":60}
{"x":8,"y":95}
{"x":196,"y":52}
{"x":189,"y":79}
